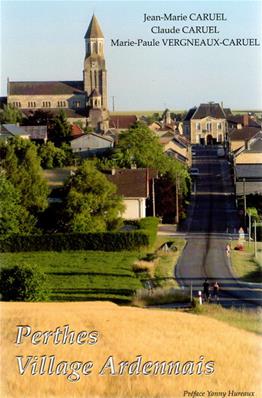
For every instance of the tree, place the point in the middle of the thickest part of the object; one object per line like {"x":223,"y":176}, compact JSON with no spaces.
{"x":14,"y":218}
{"x":40,"y":117}
{"x":140,"y":146}
{"x":10,"y":114}
{"x":60,"y":130}
{"x":23,"y":283}
{"x":22,"y":167}
{"x":91,"y":202}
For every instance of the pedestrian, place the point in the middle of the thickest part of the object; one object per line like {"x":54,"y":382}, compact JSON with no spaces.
{"x":216,"y":288}
{"x":206,"y":290}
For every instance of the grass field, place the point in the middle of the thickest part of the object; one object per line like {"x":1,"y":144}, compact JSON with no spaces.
{"x":80,"y":275}
{"x":164,"y":272}
{"x":124,"y":334}
{"x":245,"y":266}
{"x":249,"y":320}
{"x":93,"y":275}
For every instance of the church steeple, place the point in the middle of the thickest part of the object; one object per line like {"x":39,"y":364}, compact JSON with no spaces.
{"x":95,"y":74}
{"x":94,"y":30}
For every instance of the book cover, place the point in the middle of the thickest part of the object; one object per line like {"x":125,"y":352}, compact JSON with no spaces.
{"x":150,"y":110}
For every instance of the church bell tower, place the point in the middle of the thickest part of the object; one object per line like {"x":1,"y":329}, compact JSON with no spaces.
{"x":95,"y":74}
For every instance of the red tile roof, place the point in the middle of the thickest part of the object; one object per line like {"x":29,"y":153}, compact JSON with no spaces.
{"x":76,"y":131}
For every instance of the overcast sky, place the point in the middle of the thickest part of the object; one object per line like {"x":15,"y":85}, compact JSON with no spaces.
{"x":44,"y":40}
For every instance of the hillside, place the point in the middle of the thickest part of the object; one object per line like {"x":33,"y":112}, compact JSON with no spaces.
{"x":124,"y":334}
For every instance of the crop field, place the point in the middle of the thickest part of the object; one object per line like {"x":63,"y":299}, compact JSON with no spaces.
{"x":83,"y":275}
{"x":125,"y":334}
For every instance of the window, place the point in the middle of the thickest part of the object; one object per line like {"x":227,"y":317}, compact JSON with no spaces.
{"x":76,"y":104}
{"x":46,"y":104}
{"x":31,"y":104}
{"x":209,"y":126}
{"x":219,"y":126}
{"x":17,"y":104}
{"x":61,"y":104}
{"x":198,"y":126}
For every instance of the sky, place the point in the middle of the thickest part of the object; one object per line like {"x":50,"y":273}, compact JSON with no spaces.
{"x":44,"y":40}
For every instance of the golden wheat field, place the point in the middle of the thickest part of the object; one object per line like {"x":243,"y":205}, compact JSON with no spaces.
{"x":124,"y":334}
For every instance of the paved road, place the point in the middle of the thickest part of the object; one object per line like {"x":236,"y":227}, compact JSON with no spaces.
{"x":212,"y":219}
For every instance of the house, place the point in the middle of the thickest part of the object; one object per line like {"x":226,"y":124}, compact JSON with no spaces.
{"x":135,"y":186}
{"x":248,"y":167}
{"x":91,"y":144}
{"x":34,"y":133}
{"x":206,"y":124}
{"x":177,"y":147}
{"x":13,"y":130}
{"x":238,"y":138}
{"x":240,"y":121}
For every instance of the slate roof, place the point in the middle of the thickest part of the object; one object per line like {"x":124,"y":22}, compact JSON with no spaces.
{"x":244,"y":134}
{"x":94,"y":30}
{"x":189,"y":114}
{"x":131,"y":183}
{"x":14,"y":130}
{"x":211,"y":109}
{"x":122,"y":121}
{"x":46,"y":88}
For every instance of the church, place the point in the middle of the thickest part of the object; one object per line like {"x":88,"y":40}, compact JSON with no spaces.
{"x":84,"y":101}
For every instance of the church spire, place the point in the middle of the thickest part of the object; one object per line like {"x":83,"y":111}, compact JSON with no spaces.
{"x":95,"y":74}
{"x":94,"y":31}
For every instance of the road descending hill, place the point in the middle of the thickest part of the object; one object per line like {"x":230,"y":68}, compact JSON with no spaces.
{"x":221,"y":358}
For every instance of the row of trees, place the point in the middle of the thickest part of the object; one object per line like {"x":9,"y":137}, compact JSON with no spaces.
{"x":89,"y":200}
{"x":89,"y":203}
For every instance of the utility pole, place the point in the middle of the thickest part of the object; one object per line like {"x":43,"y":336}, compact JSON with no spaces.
{"x":177,"y":200}
{"x":255,"y":238}
{"x":249,"y":228}
{"x":113,"y":103}
{"x":153,"y":197}
{"x":245,"y":198}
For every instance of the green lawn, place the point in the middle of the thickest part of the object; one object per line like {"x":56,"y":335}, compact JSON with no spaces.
{"x":245,"y":266}
{"x":83,"y":275}
{"x":167,"y":261}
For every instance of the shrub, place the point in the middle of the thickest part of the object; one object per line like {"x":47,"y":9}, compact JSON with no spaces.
{"x":150,"y":225}
{"x":144,"y":266}
{"x":23,"y":283}
{"x":159,"y":295}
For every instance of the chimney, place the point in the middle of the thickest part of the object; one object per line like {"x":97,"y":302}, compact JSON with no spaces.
{"x":245,"y":120}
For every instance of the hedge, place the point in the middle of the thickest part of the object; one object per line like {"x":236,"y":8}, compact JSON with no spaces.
{"x":104,"y":241}
{"x":149,"y":224}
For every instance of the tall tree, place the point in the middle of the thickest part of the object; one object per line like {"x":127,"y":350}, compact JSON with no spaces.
{"x":22,"y":167}
{"x":10,"y":114}
{"x":14,"y":218}
{"x":91,"y":203}
{"x":60,"y":130}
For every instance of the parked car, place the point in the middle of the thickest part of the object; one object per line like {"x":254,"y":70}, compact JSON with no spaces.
{"x":194,"y":171}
